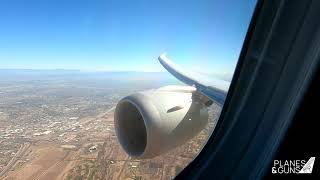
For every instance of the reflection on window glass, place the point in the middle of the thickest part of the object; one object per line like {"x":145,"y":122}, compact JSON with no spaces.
{"x":65,"y":64}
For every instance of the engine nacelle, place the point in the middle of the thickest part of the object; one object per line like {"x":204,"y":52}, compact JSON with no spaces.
{"x":153,"y":122}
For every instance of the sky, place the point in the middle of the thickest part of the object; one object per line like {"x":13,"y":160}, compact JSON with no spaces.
{"x":116,"y":35}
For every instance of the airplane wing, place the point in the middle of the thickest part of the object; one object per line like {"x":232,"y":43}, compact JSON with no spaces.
{"x":152,"y":122}
{"x":215,"y":89}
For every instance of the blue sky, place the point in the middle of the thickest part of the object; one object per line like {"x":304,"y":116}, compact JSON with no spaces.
{"x":119,"y":35}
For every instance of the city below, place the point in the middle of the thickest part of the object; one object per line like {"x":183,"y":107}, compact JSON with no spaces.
{"x":58,"y":124}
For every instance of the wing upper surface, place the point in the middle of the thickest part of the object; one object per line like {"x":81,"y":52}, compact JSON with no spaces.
{"x":215,"y":89}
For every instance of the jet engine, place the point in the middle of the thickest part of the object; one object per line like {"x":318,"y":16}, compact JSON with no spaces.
{"x":153,"y":122}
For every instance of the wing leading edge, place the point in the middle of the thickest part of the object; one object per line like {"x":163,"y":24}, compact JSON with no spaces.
{"x":215,"y":89}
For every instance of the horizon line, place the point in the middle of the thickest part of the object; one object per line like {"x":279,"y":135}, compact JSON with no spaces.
{"x":79,"y":70}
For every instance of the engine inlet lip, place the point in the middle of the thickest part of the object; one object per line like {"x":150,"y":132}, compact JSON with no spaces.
{"x":133,"y":100}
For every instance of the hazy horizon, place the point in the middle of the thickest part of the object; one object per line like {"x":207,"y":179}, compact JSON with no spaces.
{"x":164,"y":74}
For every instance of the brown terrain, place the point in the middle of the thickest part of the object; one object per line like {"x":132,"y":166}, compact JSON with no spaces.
{"x":95,"y":154}
{"x":61,"y":127}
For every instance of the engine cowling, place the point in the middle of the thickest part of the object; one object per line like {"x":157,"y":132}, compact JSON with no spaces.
{"x":153,"y":122}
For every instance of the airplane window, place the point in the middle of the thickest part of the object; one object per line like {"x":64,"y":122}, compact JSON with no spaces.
{"x":113,"y":89}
